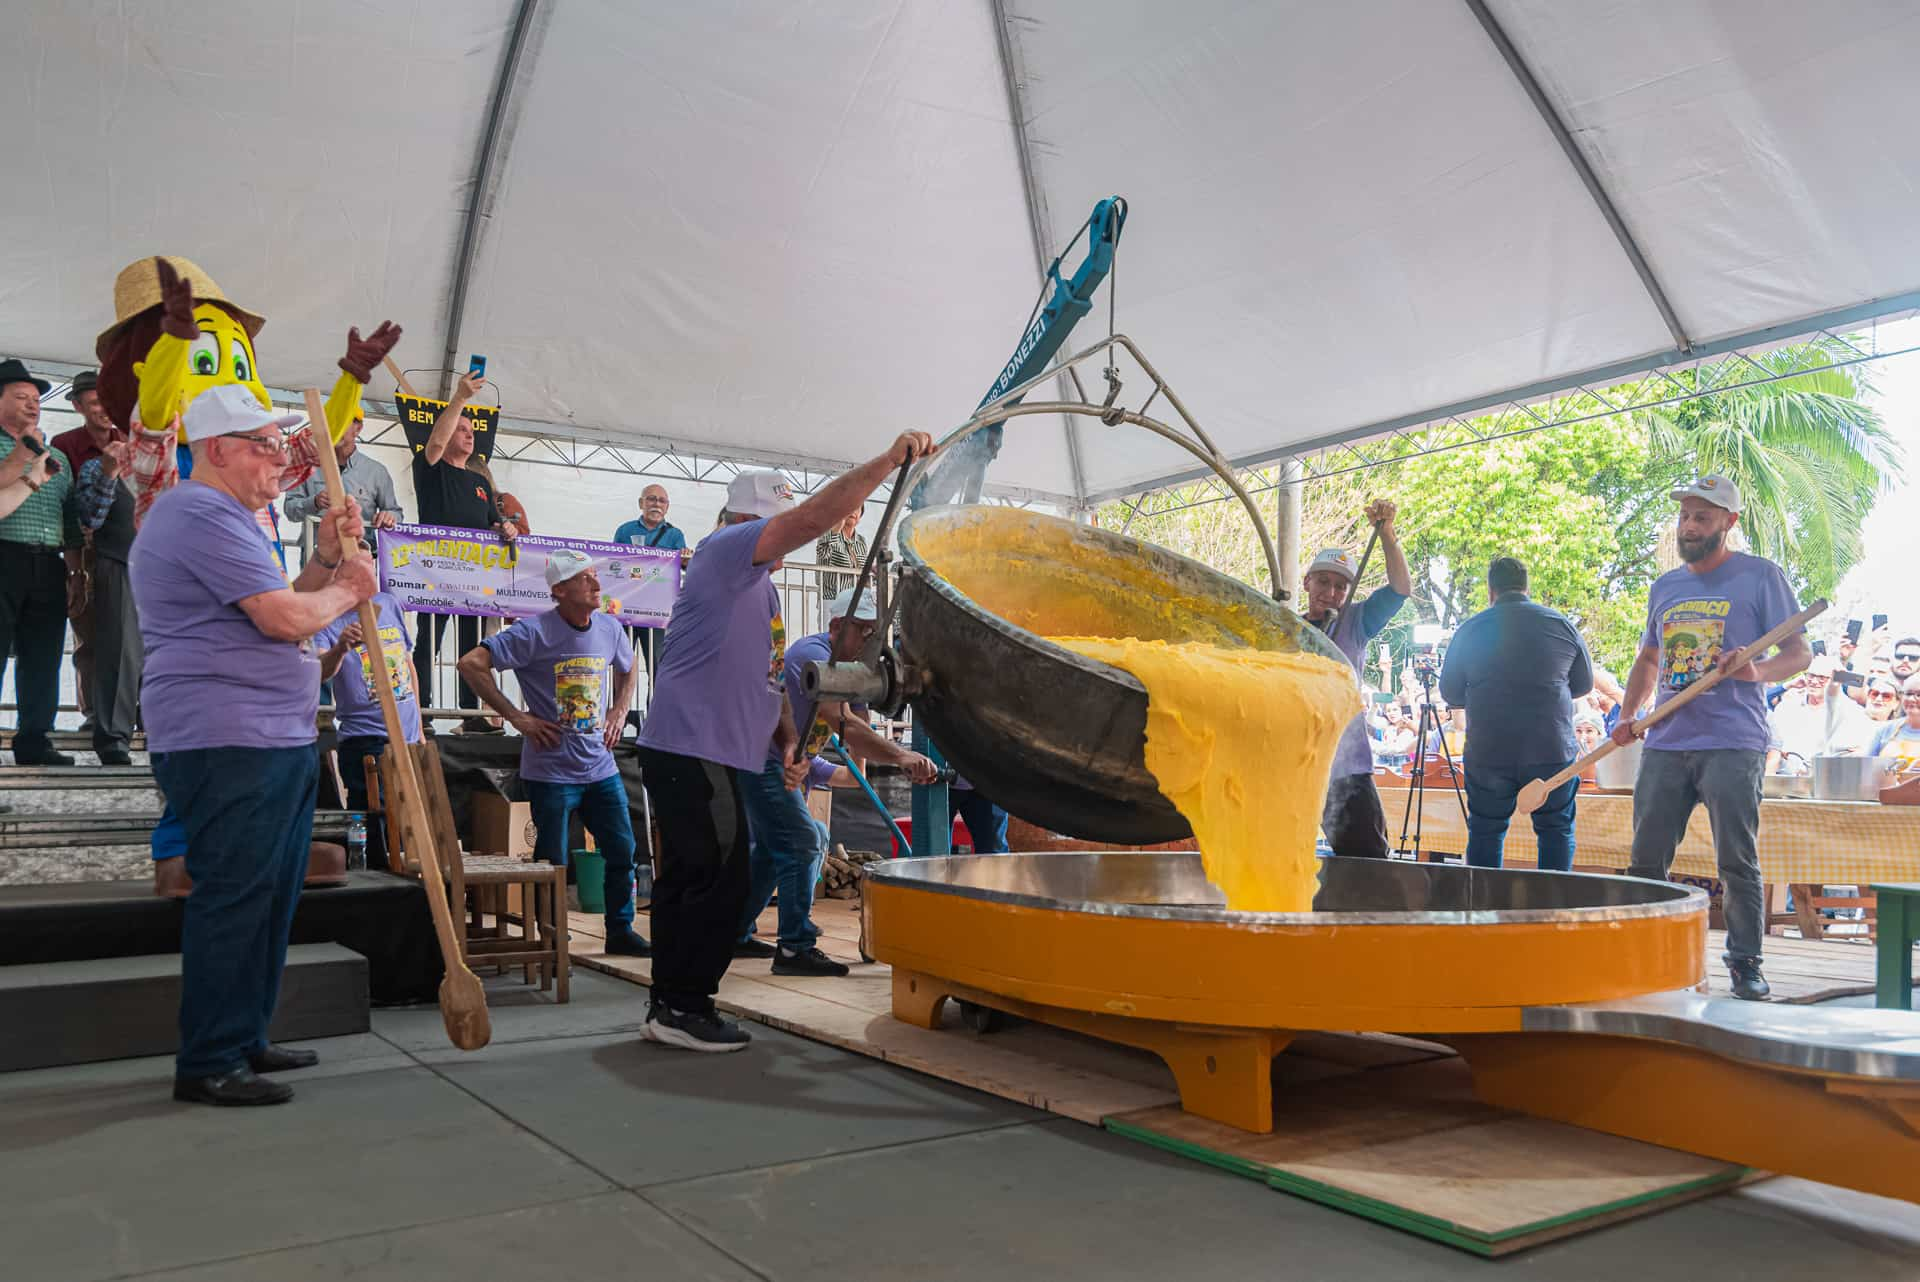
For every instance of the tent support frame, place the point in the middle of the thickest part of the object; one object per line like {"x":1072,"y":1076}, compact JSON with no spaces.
{"x":1584,"y":168}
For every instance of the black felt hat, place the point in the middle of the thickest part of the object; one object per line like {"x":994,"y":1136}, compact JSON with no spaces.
{"x":14,"y":371}
{"x":87,"y":380}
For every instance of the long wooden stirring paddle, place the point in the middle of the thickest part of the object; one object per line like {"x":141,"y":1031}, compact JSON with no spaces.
{"x":1536,"y":792}
{"x":463,"y":1002}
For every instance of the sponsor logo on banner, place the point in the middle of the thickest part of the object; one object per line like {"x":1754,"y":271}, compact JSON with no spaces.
{"x":435,"y":569}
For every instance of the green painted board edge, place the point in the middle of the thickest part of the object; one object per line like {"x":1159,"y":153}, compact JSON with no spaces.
{"x":1400,"y":1217}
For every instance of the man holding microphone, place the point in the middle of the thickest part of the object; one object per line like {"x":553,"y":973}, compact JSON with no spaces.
{"x":1517,"y":667}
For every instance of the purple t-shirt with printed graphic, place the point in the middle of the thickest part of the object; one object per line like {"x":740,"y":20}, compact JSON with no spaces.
{"x":212,"y":679}
{"x":1692,"y":619}
{"x":723,"y":663}
{"x":567,"y":675}
{"x":356,"y":703}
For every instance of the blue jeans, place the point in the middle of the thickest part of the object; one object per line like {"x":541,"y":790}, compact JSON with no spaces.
{"x":986,"y":822}
{"x":788,"y":848}
{"x":603,"y":809}
{"x":248,"y":816}
{"x":1491,"y":792}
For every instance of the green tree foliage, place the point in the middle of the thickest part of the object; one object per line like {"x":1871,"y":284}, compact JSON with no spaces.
{"x":1586,"y":507}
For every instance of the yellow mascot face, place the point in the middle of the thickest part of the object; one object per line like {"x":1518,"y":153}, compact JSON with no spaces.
{"x":222,"y":354}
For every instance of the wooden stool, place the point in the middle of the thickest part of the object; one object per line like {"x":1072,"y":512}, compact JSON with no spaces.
{"x":482,"y":885}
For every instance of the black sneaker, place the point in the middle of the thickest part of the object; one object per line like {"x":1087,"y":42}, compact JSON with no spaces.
{"x":704,"y":1031}
{"x":1749,"y":985}
{"x":810,"y":961}
{"x":751,"y":949}
{"x":624,"y":941}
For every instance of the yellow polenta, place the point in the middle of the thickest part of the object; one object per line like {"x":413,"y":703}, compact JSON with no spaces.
{"x":1241,"y":741}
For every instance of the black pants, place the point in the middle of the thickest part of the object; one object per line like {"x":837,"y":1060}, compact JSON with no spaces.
{"x":428,"y":632}
{"x":33,"y":627}
{"x":355,"y":752}
{"x":700,"y":888}
{"x":1353,"y":820}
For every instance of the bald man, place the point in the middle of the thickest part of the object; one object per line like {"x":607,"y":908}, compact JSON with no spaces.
{"x":652,"y":530}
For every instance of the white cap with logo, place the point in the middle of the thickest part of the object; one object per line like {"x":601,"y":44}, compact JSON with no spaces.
{"x":1339,"y":560}
{"x":564,"y":564}
{"x":865,"y":614}
{"x":229,"y":409}
{"x":759,"y":494}
{"x":1717,"y":490}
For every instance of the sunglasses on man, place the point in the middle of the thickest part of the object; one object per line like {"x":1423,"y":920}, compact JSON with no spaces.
{"x":1909,"y":656}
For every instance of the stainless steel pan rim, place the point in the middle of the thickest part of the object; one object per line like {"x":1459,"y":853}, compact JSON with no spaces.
{"x":1658,"y":898}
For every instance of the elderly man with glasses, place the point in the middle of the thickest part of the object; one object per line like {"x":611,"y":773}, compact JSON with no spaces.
{"x":231,"y":686}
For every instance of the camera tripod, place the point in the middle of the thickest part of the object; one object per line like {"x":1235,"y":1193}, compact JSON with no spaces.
{"x":1416,"y":810}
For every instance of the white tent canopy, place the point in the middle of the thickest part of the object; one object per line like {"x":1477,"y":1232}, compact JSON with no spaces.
{"x":764,"y":230}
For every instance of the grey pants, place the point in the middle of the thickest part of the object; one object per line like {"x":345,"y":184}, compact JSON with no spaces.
{"x":118,"y":656}
{"x":1727,"y":782}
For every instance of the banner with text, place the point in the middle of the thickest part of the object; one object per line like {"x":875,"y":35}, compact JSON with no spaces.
{"x":417,"y":415}
{"x":434,"y":569}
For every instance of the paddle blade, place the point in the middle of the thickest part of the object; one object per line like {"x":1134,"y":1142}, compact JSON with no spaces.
{"x":1531,"y":797}
{"x":463,"y":1009}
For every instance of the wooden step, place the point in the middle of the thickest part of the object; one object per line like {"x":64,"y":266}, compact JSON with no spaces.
{"x":120,"y":1007}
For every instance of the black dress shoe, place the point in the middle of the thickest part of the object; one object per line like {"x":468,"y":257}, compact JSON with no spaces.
{"x":622,"y":941}
{"x":115,"y":757}
{"x":241,"y":1088}
{"x":281,"y":1059}
{"x":41,"y":757}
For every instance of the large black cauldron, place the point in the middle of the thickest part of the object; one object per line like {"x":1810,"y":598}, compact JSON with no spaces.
{"x":1054,"y":737}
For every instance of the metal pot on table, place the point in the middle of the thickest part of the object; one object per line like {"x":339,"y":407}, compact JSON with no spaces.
{"x":1618,"y":769}
{"x":1850,"y":778}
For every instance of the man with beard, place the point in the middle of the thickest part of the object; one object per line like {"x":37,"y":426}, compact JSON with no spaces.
{"x":1713,"y":750}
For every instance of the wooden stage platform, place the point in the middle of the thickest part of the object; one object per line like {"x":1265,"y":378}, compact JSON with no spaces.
{"x":1381,"y":1126}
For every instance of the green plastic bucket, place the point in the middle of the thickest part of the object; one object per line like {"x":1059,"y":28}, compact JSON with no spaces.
{"x":590,"y":875}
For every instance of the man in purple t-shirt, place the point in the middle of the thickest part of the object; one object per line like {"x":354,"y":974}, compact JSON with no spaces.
{"x":1714,"y":749}
{"x":359,"y":727}
{"x":1352,"y":818}
{"x":229,"y":696}
{"x":577,"y":676}
{"x":717,"y":704}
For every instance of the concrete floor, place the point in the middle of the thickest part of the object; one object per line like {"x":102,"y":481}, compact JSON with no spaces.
{"x":568,"y":1149}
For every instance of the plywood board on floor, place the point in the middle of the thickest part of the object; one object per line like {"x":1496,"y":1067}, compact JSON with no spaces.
{"x":1411,"y":1146}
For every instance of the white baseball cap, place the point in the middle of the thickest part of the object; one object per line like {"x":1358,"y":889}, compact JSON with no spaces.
{"x":564,"y":564}
{"x":1717,"y":490}
{"x":759,"y":494}
{"x":865,"y":614}
{"x":1339,"y":560}
{"x":229,"y":409}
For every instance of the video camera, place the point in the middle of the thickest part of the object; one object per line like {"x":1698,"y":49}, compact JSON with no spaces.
{"x":1429,"y":648}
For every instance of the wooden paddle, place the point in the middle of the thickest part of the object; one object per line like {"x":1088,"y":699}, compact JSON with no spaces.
{"x":463,"y":1003}
{"x":1536,"y":792}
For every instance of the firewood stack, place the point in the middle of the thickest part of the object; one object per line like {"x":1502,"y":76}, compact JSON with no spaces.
{"x":844,"y":870}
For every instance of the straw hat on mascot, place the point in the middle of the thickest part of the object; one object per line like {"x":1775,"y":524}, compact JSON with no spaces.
{"x":176,"y":333}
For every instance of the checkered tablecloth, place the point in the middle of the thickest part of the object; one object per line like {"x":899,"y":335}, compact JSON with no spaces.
{"x":1838,"y":843}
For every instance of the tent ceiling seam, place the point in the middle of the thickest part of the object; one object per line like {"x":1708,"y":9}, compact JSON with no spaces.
{"x":1584,"y":168}
{"x":1039,"y":219}
{"x":486,"y":162}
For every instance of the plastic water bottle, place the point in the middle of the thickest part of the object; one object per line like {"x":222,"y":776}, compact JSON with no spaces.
{"x":356,"y":840}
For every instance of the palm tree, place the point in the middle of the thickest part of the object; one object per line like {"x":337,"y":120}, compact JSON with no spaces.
{"x":1809,"y":457}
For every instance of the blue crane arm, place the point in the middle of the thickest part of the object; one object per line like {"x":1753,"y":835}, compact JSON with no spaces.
{"x":960,"y":476}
